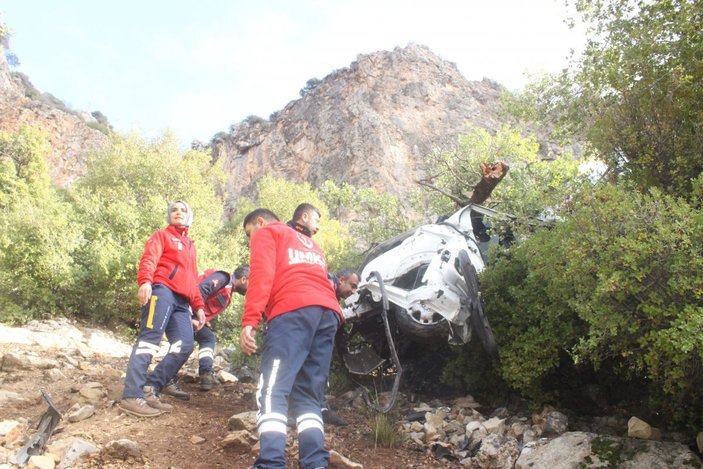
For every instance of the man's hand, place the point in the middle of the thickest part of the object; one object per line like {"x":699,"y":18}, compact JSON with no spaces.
{"x":201,"y":318}
{"x":247,"y":340}
{"x":144,"y":293}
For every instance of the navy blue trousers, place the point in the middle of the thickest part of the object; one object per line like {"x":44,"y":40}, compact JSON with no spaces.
{"x":165,"y":312}
{"x":207,"y":341}
{"x":295,"y":362}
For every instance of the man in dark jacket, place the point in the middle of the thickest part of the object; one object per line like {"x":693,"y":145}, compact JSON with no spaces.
{"x":216,"y":288}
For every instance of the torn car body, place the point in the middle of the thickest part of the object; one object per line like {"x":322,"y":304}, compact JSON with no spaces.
{"x":426,"y":282}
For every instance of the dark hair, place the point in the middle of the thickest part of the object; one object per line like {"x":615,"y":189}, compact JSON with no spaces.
{"x":241,"y":271}
{"x":346,"y":273}
{"x":304,"y":208}
{"x":264,"y":213}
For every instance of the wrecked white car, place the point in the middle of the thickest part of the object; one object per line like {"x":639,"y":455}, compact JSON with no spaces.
{"x":420,"y":287}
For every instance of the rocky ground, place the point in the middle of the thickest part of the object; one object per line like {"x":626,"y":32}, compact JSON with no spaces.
{"x":82,"y":372}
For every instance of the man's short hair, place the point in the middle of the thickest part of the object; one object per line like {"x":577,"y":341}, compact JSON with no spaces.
{"x":346,"y":273}
{"x":304,"y":208}
{"x":264,"y":213}
{"x":241,"y":271}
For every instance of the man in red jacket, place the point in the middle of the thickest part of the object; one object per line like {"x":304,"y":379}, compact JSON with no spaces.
{"x":289,"y":286}
{"x":168,"y":290}
{"x":216,"y":288}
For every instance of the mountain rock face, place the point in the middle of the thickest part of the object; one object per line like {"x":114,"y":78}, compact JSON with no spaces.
{"x":369,"y":124}
{"x":68,"y":132}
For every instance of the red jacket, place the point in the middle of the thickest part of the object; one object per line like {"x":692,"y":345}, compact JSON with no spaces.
{"x":216,"y":289}
{"x":287,"y":272}
{"x":169,"y":258}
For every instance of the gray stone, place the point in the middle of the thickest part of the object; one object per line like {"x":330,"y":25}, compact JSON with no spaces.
{"x":122,"y":449}
{"x":14,"y":361}
{"x":555,"y":423}
{"x":93,"y":392}
{"x":497,"y":452}
{"x":73,"y":451}
{"x":78,"y":413}
{"x":54,"y":374}
{"x":638,"y":428}
{"x":240,"y":440}
{"x":226,"y":377}
{"x":243,"y":421}
{"x":6,"y":426}
{"x":41,"y":461}
{"x":580,"y":449}
{"x":495,"y":425}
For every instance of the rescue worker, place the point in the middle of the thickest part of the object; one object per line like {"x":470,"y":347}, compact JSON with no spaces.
{"x":168,"y":292}
{"x":289,"y":286}
{"x":216,"y":288}
{"x":306,"y":220}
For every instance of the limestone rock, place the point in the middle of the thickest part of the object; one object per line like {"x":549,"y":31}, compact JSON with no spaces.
{"x":495,"y":425}
{"x":14,"y":361}
{"x":638,"y":428}
{"x":122,"y":449}
{"x":70,"y":136}
{"x":53,"y":375}
{"x":80,"y":412}
{"x":580,"y":449}
{"x":196,"y":440}
{"x":497,"y":452}
{"x":243,"y":421}
{"x":72,"y":451}
{"x":373,"y":121}
{"x":555,"y":423}
{"x":226,"y":377}
{"x":41,"y":461}
{"x":93,"y":392}
{"x":240,"y":440}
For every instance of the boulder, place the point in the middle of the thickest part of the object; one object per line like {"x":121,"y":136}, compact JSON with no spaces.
{"x":80,"y":412}
{"x":240,"y":440}
{"x":41,"y":461}
{"x":243,"y":421}
{"x":555,"y":423}
{"x":71,"y":451}
{"x":638,"y":428}
{"x":497,"y":452}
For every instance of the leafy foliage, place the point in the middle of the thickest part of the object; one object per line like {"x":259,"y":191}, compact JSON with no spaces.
{"x":370,"y":217}
{"x":39,"y":235}
{"x":531,"y":185}
{"x":636,"y":92}
{"x":122,"y":201}
{"x":617,"y":284}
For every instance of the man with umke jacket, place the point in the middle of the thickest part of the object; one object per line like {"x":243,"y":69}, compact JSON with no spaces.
{"x":288,"y":285}
{"x":168,"y":290}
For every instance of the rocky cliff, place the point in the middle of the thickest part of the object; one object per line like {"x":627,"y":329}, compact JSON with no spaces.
{"x":68,"y":131}
{"x":369,"y":124}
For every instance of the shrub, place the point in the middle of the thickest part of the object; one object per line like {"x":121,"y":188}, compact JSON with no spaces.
{"x":616,"y":285}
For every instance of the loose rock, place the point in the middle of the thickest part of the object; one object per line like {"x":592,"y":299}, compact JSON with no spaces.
{"x":122,"y":449}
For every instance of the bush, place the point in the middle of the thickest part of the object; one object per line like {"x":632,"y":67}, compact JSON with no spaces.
{"x":615,"y":287}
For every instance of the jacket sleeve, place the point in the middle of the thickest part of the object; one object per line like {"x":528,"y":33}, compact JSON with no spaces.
{"x":196,"y":300}
{"x":262,"y":269}
{"x":213,"y":283}
{"x":150,"y":259}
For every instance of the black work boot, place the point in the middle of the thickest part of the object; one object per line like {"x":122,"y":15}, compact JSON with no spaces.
{"x":330,"y":418}
{"x":172,"y":389}
{"x":208,"y":381}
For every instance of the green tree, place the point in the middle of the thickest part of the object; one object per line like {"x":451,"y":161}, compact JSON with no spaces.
{"x":531,"y":185}
{"x":636,"y":93}
{"x":40,"y":231}
{"x":615,"y":287}
{"x":122,"y":201}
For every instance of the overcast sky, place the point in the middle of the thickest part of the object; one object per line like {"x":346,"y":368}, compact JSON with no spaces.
{"x":152,"y":65}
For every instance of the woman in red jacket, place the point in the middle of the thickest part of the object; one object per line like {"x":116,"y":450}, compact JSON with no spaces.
{"x":168,"y":292}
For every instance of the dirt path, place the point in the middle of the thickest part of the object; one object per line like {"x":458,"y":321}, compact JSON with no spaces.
{"x":165,"y":441}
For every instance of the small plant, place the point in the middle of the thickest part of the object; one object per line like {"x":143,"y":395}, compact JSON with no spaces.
{"x":383,"y":432}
